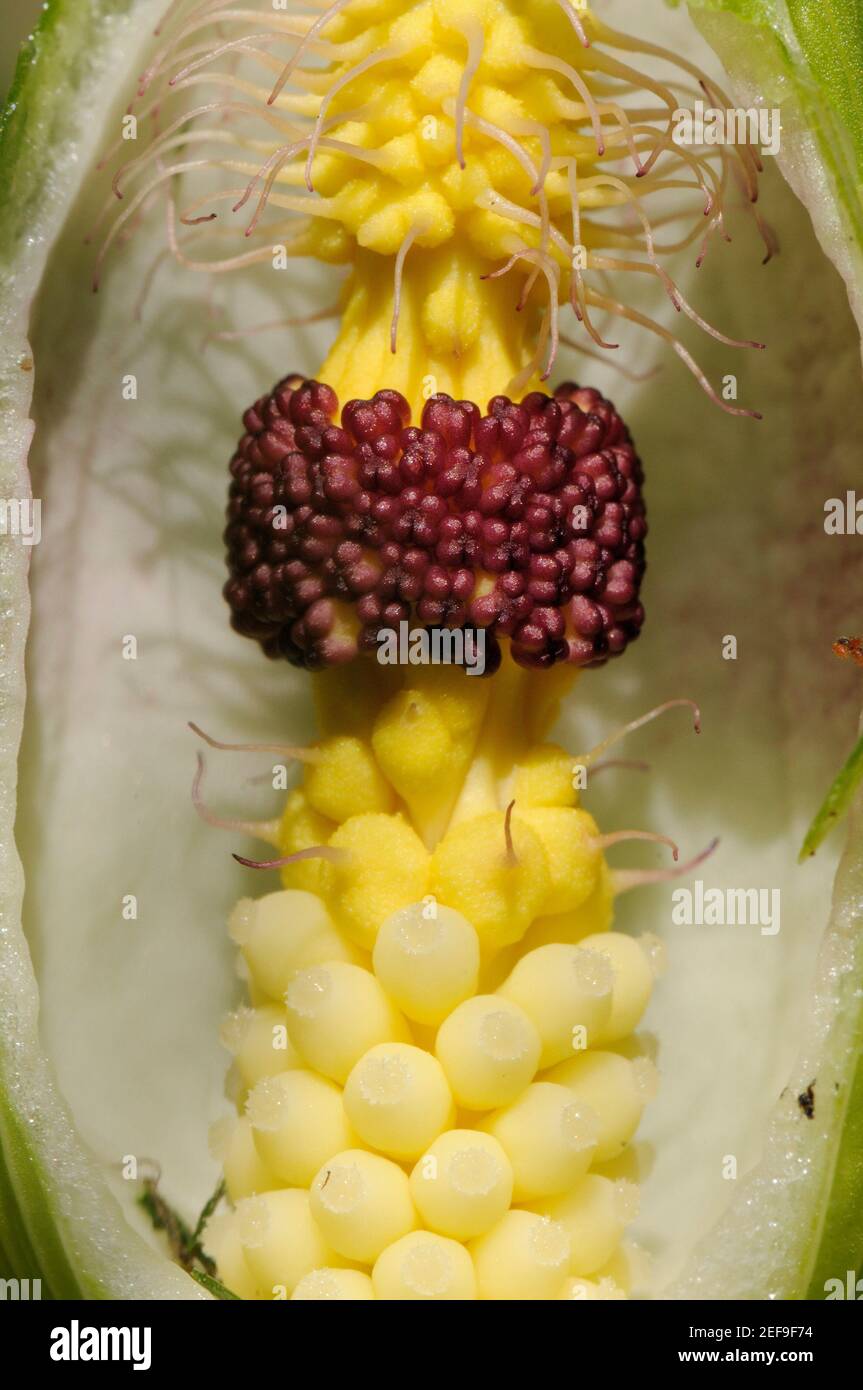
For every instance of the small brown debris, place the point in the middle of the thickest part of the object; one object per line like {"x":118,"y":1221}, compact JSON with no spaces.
{"x":806,"y":1101}
{"x":849,"y":647}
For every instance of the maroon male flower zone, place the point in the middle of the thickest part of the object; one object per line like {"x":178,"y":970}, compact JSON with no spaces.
{"x":528,"y":522}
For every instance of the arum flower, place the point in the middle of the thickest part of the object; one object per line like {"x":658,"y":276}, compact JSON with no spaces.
{"x":461,"y":1140}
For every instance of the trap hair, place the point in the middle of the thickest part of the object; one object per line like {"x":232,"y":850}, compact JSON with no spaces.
{"x":439,"y":151}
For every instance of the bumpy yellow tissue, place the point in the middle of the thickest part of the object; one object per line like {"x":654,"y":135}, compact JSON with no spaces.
{"x":439,"y":1085}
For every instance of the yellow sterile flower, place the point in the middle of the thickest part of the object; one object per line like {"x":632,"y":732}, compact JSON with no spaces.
{"x":499,"y":886}
{"x":422,"y":760}
{"x":302,"y":827}
{"x":424,"y":738}
{"x":544,"y":777}
{"x":385,"y":866}
{"x":568,"y":837}
{"x":594,"y":915}
{"x":345,"y":780}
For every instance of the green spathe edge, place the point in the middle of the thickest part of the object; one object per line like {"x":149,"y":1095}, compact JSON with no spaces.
{"x":60,"y":1222}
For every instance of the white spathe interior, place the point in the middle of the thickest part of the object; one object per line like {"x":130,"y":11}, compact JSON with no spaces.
{"x":132,"y":503}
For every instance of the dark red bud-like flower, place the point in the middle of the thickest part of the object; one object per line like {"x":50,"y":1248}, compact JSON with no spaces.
{"x":528,"y":521}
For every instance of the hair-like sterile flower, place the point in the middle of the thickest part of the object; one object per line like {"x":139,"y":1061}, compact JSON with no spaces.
{"x":440,"y":151}
{"x":526,"y":522}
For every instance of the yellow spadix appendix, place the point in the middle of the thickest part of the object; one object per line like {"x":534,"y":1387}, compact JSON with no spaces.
{"x":438,"y":1074}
